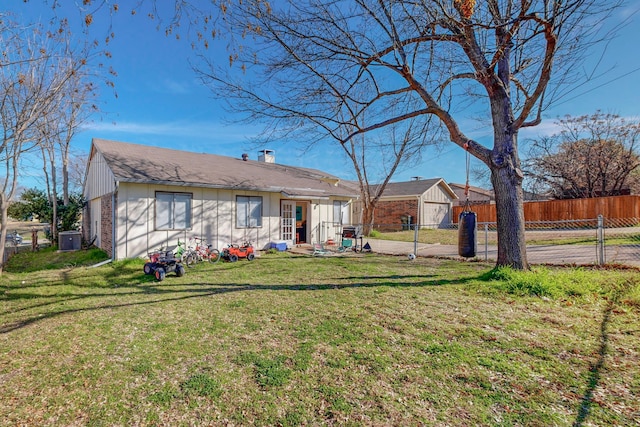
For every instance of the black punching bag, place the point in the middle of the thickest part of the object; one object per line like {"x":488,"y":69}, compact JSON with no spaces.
{"x":467,"y":231}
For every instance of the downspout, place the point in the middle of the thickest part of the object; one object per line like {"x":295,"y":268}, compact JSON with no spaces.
{"x":114,"y":234}
{"x":419,"y":210}
{"x":415,"y":227}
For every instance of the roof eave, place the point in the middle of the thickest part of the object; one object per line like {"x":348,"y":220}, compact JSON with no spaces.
{"x":305,"y":194}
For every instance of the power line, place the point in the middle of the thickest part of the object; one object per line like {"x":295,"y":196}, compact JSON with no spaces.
{"x":600,"y":85}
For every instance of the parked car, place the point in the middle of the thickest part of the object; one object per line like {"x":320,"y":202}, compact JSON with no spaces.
{"x":14,"y":238}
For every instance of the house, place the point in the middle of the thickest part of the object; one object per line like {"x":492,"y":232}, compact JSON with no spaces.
{"x":475,"y":196}
{"x":426,"y":202}
{"x":481,"y":196}
{"x":141,"y":198}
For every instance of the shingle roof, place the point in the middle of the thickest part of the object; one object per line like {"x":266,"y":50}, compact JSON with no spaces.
{"x":478,"y":190}
{"x":408,"y":188}
{"x":146,"y":164}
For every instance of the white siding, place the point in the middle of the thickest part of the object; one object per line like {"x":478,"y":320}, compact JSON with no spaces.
{"x":213,"y":218}
{"x":436,"y":207}
{"x":437,"y":194}
{"x":100,"y":179}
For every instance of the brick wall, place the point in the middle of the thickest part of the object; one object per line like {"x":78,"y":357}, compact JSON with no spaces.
{"x":86,"y":222}
{"x":388,"y":214}
{"x":106,"y":224}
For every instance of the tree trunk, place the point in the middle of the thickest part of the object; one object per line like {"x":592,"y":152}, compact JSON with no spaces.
{"x":65,"y":180}
{"x":4,"y":206}
{"x":367,"y":217}
{"x":507,"y":184}
{"x":53,"y":194}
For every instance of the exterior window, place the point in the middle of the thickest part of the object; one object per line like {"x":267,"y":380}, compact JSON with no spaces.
{"x":341,"y":212}
{"x":248,"y":211}
{"x":173,"y":211}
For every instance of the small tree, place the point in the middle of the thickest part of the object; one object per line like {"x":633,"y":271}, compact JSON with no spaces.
{"x":33,"y":203}
{"x":69,"y":214}
{"x":591,"y":156}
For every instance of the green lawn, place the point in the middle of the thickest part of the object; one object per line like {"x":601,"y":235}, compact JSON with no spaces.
{"x":294,"y":340}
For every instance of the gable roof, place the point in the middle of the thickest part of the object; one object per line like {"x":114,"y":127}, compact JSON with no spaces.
{"x":143,"y":164}
{"x":413,"y":188}
{"x":478,"y":190}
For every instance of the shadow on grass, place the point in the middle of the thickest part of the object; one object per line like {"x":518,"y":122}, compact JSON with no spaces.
{"x":593,"y":379}
{"x":147,"y":285}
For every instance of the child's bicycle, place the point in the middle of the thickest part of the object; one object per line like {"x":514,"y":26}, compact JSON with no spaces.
{"x":202,"y":251}
{"x":198,"y":251}
{"x":184,"y":254}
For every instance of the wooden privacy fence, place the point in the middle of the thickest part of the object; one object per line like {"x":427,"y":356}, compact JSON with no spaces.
{"x":613,"y":207}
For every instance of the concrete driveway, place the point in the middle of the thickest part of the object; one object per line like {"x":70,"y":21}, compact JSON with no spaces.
{"x":536,"y":254}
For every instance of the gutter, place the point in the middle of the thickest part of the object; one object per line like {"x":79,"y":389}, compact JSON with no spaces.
{"x":415,"y":227}
{"x":303,"y":197}
{"x":309,"y":192}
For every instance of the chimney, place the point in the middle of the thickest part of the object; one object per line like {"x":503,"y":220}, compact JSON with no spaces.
{"x":245,"y":156}
{"x":416,"y":178}
{"x":267,"y":156}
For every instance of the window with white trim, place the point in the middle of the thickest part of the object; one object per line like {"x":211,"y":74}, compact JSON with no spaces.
{"x":248,"y":211}
{"x":341,"y":214}
{"x":173,"y":211}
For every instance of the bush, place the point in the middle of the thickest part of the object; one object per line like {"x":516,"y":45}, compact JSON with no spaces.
{"x":35,"y":203}
{"x":374,"y":234}
{"x":542,"y":282}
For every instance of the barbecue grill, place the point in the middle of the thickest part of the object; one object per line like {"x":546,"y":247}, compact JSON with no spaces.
{"x":350,"y":236}
{"x":351,"y":232}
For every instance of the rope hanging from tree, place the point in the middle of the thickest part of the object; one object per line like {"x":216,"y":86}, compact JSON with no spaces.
{"x":467,"y":224}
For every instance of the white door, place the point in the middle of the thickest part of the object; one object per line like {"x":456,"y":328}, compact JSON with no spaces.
{"x":288,"y":221}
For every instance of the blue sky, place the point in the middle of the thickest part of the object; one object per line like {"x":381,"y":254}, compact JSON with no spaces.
{"x":160,"y":102}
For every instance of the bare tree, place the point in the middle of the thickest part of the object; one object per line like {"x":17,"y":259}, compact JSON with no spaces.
{"x":30,"y":84}
{"x":592,"y":155}
{"x":77,"y":170}
{"x":301,"y":65}
{"x":58,"y":127}
{"x":77,"y":107}
{"x":376,"y":156}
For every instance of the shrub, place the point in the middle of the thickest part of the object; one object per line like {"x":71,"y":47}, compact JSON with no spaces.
{"x":543,"y":282}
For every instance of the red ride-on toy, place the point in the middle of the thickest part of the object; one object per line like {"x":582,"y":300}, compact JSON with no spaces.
{"x":163,"y":262}
{"x":233,"y":253}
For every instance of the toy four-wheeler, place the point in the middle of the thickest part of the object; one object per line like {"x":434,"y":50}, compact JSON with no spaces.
{"x":163,"y":262}
{"x":233,"y":253}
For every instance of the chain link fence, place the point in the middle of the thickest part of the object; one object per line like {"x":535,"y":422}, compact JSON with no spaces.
{"x":596,"y":241}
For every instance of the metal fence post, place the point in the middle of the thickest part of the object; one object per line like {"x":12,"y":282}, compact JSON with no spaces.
{"x":415,"y":239}
{"x":486,"y":241}
{"x":600,"y":240}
